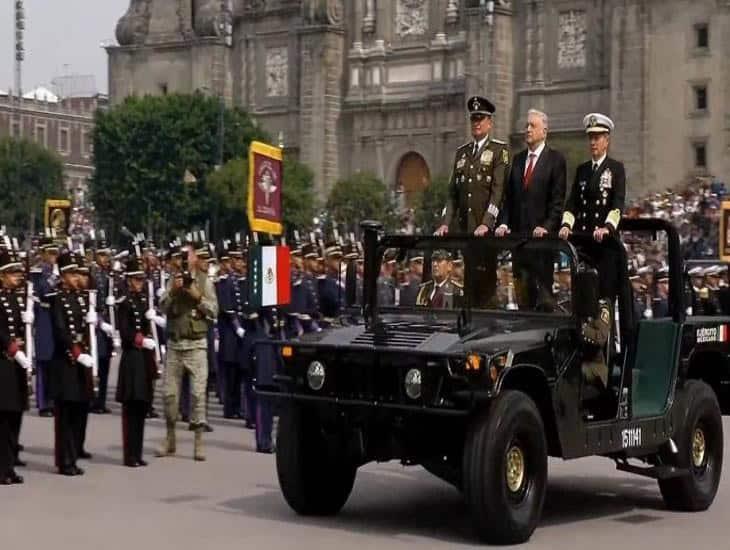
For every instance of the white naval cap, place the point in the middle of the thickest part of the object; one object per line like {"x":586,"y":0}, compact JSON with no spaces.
{"x":596,"y":123}
{"x":696,"y":271}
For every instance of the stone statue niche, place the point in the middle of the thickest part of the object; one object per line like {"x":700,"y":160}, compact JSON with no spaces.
{"x":134,"y":25}
{"x":322,"y":12}
{"x":209,"y":17}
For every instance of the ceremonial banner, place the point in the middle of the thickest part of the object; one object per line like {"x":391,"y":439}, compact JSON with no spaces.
{"x":724,"y":240}
{"x":264,"y":188}
{"x":57,"y":215}
{"x":270,"y":276}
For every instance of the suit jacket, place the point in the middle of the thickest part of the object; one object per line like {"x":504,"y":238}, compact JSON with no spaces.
{"x":596,"y":199}
{"x":541,"y":204}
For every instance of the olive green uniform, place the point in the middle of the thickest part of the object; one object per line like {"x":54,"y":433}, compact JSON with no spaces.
{"x":595,"y":333}
{"x":477,"y":186}
{"x":447,"y":295}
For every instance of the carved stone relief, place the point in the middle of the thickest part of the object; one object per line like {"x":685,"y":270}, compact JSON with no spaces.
{"x":572,"y":39}
{"x":411,"y":17}
{"x":277,"y":67}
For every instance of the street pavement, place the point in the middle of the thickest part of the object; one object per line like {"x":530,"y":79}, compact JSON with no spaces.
{"x":232,"y":501}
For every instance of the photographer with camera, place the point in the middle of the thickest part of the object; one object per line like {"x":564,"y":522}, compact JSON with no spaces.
{"x":190,"y":304}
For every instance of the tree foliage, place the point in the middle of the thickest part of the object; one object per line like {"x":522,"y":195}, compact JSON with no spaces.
{"x":143,"y":148}
{"x":227,"y":192}
{"x":430,"y":204}
{"x":29,"y":174}
{"x":361,"y":197}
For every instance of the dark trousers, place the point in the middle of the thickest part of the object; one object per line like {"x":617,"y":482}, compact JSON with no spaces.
{"x":264,"y":424}
{"x":83,"y":422}
{"x":68,"y":423}
{"x":100,"y":401}
{"x":232,"y":398}
{"x":133,"y":416}
{"x":533,"y":272}
{"x":249,"y":396}
{"x":606,"y":261}
{"x":7,"y":444}
{"x":16,"y":422}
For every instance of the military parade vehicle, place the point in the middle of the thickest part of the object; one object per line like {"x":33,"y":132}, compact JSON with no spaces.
{"x":482,"y":387}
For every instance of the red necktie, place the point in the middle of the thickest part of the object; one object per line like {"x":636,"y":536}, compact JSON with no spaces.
{"x":528,"y":172}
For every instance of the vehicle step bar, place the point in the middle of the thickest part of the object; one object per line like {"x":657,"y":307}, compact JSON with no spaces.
{"x":661,"y":471}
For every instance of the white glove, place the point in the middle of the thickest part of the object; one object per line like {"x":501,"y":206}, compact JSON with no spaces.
{"x":159,"y":292}
{"x":150,"y":314}
{"x":22,"y":359}
{"x":160,"y":321}
{"x":86,"y":360}
{"x":240,"y":332}
{"x":110,"y":301}
{"x":107,"y":329}
{"x":117,"y":342}
{"x":91,"y":317}
{"x":148,"y":343}
{"x":28,"y":317}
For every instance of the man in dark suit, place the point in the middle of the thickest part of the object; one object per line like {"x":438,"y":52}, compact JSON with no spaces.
{"x":533,"y":205}
{"x":596,"y":202}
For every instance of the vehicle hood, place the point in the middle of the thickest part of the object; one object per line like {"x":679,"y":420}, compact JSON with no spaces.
{"x":417,"y":334}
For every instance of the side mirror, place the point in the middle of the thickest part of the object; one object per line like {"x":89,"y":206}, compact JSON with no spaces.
{"x":585,"y":293}
{"x":351,"y":284}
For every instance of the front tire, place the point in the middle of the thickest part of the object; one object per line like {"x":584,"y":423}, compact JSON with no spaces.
{"x":699,"y":440}
{"x":505,"y":469}
{"x":316,"y":479}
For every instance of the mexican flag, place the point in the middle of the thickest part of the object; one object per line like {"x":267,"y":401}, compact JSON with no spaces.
{"x":269,"y":276}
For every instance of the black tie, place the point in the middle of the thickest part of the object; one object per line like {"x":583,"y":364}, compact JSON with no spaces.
{"x":595,"y":167}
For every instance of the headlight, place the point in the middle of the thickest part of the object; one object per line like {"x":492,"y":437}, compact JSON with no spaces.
{"x":413,"y":383}
{"x":315,"y":375}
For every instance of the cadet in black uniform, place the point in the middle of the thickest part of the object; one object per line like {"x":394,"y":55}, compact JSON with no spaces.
{"x":14,"y":365}
{"x":70,"y":380}
{"x":596,"y":202}
{"x":137,"y":369}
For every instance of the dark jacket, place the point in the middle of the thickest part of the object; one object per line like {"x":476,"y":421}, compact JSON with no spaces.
{"x":13,"y":377}
{"x":69,"y":379}
{"x":541,"y":203}
{"x":596,"y":199}
{"x":137,"y":369}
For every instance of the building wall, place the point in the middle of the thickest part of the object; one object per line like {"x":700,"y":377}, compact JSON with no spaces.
{"x":355,"y":85}
{"x":65,"y":128}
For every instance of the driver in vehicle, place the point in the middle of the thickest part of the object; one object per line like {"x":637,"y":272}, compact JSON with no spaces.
{"x":441,"y":292}
{"x":594,"y":332}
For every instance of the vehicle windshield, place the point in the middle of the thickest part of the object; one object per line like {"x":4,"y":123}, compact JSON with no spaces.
{"x":477,"y":274}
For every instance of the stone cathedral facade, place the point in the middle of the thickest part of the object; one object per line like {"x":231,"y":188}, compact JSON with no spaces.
{"x":380,"y":85}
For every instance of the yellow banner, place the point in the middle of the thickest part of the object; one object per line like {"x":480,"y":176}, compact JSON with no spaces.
{"x":57,"y":216}
{"x":724,"y":240}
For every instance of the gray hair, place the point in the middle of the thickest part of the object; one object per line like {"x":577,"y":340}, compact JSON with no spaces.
{"x":542,"y":115}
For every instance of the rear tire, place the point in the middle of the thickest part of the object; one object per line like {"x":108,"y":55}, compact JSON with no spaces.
{"x":699,"y":440}
{"x":315,"y":478}
{"x":505,"y":469}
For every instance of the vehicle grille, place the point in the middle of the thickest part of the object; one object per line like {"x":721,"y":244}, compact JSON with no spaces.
{"x":398,"y":339}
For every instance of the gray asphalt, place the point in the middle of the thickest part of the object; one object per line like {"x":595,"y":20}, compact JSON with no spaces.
{"x":232,"y":501}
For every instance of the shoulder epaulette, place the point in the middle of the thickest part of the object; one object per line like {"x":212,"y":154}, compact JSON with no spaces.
{"x":499,"y":141}
{"x":457,"y":284}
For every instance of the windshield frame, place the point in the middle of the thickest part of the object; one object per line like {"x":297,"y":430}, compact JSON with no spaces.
{"x":469,"y":245}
